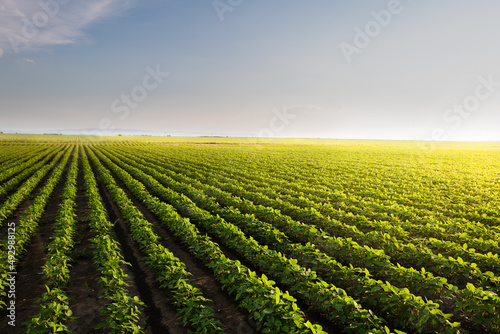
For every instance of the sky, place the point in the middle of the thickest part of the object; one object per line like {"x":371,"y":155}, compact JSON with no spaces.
{"x":397,"y":69}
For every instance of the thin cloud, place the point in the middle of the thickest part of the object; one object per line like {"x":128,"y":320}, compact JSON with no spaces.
{"x":1,"y":53}
{"x":31,"y":61}
{"x":29,"y":25}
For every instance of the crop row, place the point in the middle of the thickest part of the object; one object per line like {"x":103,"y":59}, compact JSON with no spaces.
{"x":13,"y":201}
{"x":353,"y":201}
{"x":8,"y":155}
{"x":121,"y":311}
{"x":273,"y":310}
{"x":408,"y":254}
{"x":14,"y":246}
{"x":20,"y":162}
{"x":192,"y":306}
{"x":323,"y":297}
{"x":470,"y":302}
{"x":27,"y":168}
{"x":12,"y":154}
{"x":401,"y":308}
{"x":54,"y":303}
{"x":364,"y":213}
{"x":400,"y":187}
{"x":405,"y":252}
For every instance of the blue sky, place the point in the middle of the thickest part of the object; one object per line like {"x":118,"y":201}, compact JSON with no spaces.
{"x":337,"y":69}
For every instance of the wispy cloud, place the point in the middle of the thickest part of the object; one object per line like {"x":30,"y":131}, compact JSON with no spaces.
{"x":31,"y":61}
{"x":29,"y":25}
{"x":1,"y":53}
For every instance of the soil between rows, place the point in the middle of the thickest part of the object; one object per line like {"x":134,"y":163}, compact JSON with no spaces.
{"x":234,"y":320}
{"x":249,"y":325}
{"x":159,"y":312}
{"x":30,"y":284}
{"x":83,"y":289}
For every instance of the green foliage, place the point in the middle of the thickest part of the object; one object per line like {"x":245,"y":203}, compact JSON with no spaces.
{"x":375,"y":237}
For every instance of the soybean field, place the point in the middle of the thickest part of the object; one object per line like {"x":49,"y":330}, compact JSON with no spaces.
{"x":227,"y":235}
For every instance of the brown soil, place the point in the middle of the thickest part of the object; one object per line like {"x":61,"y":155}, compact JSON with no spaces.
{"x":224,"y":305}
{"x":29,"y":282}
{"x":234,"y":320}
{"x":84,"y":292}
{"x":210,"y":287}
{"x":83,"y":289}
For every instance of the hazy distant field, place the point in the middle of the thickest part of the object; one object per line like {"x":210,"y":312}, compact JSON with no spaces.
{"x":422,"y":147}
{"x":259,"y":236}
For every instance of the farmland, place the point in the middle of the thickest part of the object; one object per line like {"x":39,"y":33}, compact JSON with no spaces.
{"x":224,"y":235}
